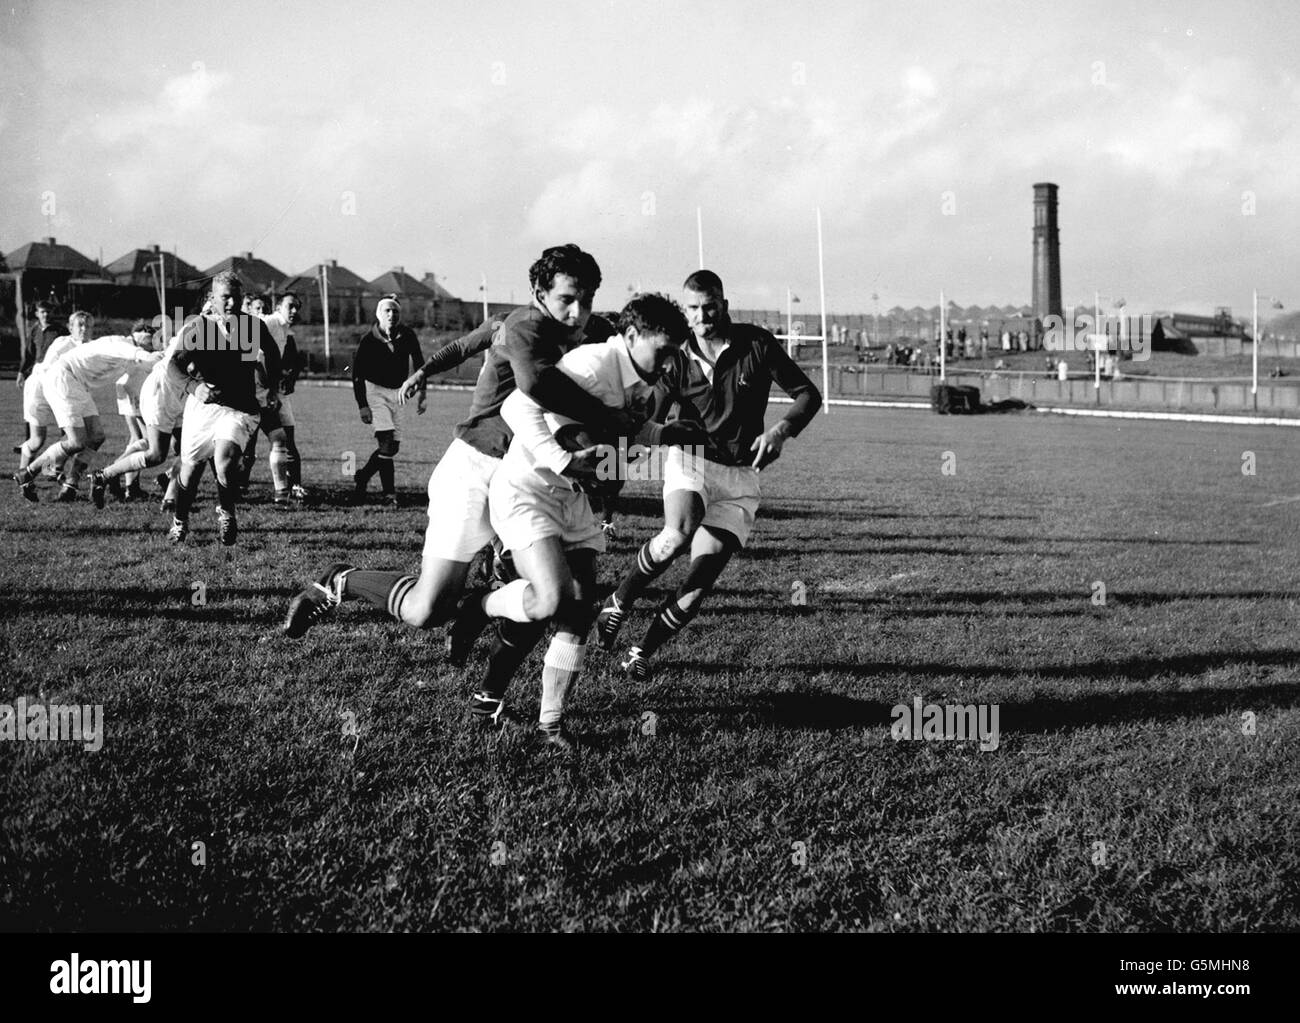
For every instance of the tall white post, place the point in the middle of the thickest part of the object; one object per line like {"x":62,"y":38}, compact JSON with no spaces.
{"x":325,"y":307}
{"x":789,"y":323}
{"x":1254,"y":347}
{"x":485,"y":299}
{"x":821,"y":285}
{"x":162,"y":262}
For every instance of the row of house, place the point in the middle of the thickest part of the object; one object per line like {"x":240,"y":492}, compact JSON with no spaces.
{"x":134,"y":283}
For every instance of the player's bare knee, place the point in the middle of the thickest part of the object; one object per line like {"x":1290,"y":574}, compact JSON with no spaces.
{"x":669,"y":543}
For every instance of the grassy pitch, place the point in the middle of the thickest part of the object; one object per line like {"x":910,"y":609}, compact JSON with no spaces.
{"x":1124,"y":593}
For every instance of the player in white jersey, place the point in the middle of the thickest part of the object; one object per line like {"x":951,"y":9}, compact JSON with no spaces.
{"x":543,"y":516}
{"x":68,"y":384}
{"x":36,"y":410}
{"x":127,"y":487}
{"x":161,"y":407}
{"x":279,"y":423}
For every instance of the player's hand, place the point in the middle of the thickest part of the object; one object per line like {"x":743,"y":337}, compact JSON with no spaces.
{"x":767,"y":447}
{"x":623,"y":423}
{"x":423,"y":404}
{"x":205,"y":392}
{"x":286,"y":387}
{"x":410,"y":387}
{"x":20,"y":380}
{"x":366,"y":416}
{"x":583,"y":464}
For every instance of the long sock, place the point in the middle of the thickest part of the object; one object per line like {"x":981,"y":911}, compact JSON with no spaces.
{"x":184,"y":498}
{"x":385,"y":590}
{"x":295,"y":466}
{"x":641,"y":575}
{"x":386,"y":474}
{"x":225,"y":496}
{"x":279,"y":469}
{"x":173,"y":485}
{"x":508,"y":601}
{"x":670,"y":620}
{"x":127,"y":464}
{"x":560,"y":671}
{"x":369,"y":469}
{"x":72,"y":473}
{"x":514,"y":642}
{"x":56,"y":454}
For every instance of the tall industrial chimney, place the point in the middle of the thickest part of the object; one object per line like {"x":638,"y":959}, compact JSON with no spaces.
{"x":1047,"y":253}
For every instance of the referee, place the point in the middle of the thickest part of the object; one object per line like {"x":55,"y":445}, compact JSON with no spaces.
{"x":387,"y":353}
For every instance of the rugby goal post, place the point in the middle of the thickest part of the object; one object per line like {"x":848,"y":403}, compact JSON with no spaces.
{"x":789,"y":337}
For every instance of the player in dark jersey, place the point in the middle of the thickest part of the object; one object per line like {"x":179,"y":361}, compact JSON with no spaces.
{"x":523,"y":352}
{"x":710,"y":500}
{"x":224,"y":410}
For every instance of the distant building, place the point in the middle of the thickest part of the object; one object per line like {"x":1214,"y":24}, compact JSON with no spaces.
{"x":256,"y":275}
{"x":47,"y":268}
{"x":351,"y":299}
{"x":139,"y":268}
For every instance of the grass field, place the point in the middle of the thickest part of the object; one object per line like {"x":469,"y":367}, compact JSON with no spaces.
{"x":1125,"y":793}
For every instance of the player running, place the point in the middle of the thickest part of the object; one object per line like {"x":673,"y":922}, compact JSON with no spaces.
{"x":539,"y":509}
{"x":162,"y":405}
{"x":67,"y":386}
{"x":710,"y":502}
{"x":222,"y":412}
{"x":279,"y":423}
{"x":36,"y":410}
{"x":530,"y":343}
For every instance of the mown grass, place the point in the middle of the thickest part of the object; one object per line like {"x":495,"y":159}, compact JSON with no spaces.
{"x":1120,"y":723}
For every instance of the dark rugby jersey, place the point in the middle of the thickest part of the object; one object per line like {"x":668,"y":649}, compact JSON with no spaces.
{"x":36,"y":343}
{"x":227,"y":360}
{"x":732,"y":406}
{"x":525,"y":353}
{"x":384,"y":364}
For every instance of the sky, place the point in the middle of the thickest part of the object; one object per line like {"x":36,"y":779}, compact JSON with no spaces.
{"x":462,"y":138}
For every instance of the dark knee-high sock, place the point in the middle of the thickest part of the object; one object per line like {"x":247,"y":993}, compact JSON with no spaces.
{"x":387,"y":477}
{"x":642,"y":574}
{"x":184,"y":498}
{"x":676,"y":614}
{"x":385,"y":590}
{"x":370,"y":468}
{"x":514,"y":642}
{"x":225,"y":495}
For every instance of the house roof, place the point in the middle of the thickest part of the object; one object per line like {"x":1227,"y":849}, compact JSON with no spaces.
{"x":398,"y":281}
{"x":341,"y":279}
{"x":255,"y":274}
{"x":136,"y":264}
{"x":48,"y":254}
{"x":430,"y":281}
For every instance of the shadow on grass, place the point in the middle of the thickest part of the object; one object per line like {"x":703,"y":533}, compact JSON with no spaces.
{"x":832,"y":712}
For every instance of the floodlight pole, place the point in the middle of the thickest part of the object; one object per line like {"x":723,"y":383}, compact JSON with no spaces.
{"x":325,"y":310}
{"x":821,"y":284}
{"x":1254,"y":348}
{"x":485,"y":298}
{"x":789,"y":323}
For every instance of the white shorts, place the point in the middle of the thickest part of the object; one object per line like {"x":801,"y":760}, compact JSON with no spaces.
{"x":36,"y":410}
{"x":128,"y":404}
{"x":286,"y":411}
{"x":207,"y":423}
{"x":386,"y":410}
{"x":458,"y":503}
{"x":525,"y":508}
{"x":730,"y":493}
{"x":161,"y":407}
{"x":69,"y":398}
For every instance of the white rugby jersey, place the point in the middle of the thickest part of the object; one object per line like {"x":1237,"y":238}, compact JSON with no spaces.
{"x":278,"y":328}
{"x":56,"y":349}
{"x":103,"y":359}
{"x":165,"y":375}
{"x":604,"y":370}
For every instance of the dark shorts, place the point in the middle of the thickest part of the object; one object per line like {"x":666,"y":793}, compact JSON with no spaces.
{"x":270,"y":421}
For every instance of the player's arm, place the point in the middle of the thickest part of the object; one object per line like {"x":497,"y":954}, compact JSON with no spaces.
{"x":673,"y":420}
{"x":271,"y":355}
{"x":806,"y":400}
{"x":527,"y":421}
{"x":452,"y":354}
{"x":539,"y":376}
{"x":291,"y":365}
{"x":359,"y":380}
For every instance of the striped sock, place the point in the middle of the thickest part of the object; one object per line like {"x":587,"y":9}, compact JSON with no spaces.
{"x":385,"y":590}
{"x":560,"y":671}
{"x":670,"y":620}
{"x":642,"y":575}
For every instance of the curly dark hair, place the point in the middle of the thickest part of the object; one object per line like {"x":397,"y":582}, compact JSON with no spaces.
{"x":568,"y":260}
{"x":651,"y":313}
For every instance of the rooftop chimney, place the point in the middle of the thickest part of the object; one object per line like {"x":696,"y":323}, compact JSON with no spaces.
{"x":245,"y":255}
{"x":47,"y":241}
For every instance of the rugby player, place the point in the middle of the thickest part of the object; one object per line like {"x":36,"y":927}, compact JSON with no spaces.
{"x":529,"y":344}
{"x":385,"y":354}
{"x":710,"y":501}
{"x":128,"y":386}
{"x":279,"y":423}
{"x":37,"y":413}
{"x":162,"y":403}
{"x":223,"y":410}
{"x":67,"y":386}
{"x":545,"y":520}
